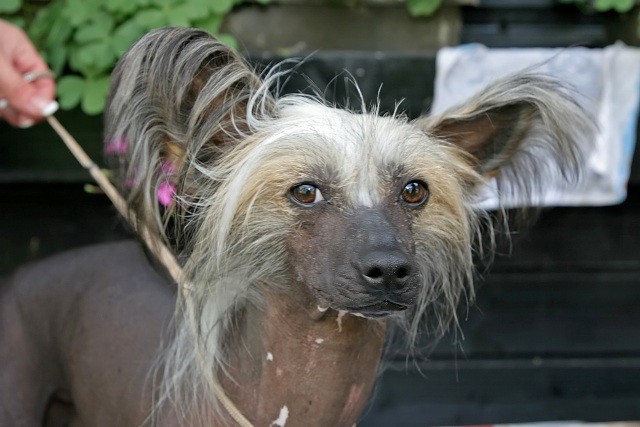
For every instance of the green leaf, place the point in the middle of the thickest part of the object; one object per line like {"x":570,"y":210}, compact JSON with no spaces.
{"x":58,"y":34}
{"x":603,"y":5}
{"x":221,"y":7}
{"x":229,"y":40}
{"x":423,"y":7}
{"x":77,"y":12}
{"x":121,"y":7}
{"x":70,"y":90}
{"x":204,"y":5}
{"x":623,"y":6}
{"x":55,"y":40}
{"x":95,"y":95}
{"x":57,"y":58}
{"x":97,"y":28}
{"x":126,"y":35}
{"x":178,"y":16}
{"x":10,"y":6}
{"x":151,"y":18}
{"x":43,"y":21}
{"x":88,"y":33}
{"x":190,"y":11}
{"x":93,"y":58}
{"x":165,"y":4}
{"x":210,"y":24}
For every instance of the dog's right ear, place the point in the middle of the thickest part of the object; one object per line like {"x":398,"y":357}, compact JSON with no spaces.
{"x":179,"y":99}
{"x":521,"y":129}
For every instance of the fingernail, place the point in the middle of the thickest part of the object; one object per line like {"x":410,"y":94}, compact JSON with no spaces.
{"x":50,"y":108}
{"x":43,"y":106}
{"x":25,"y":124}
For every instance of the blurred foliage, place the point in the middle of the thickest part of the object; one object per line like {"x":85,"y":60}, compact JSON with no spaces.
{"x":620,"y":6}
{"x":82,"y":40}
{"x":423,"y":7}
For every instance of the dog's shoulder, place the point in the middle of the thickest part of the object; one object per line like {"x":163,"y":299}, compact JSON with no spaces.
{"x":101,"y":313}
{"x":112,"y":258}
{"x":94,"y":276}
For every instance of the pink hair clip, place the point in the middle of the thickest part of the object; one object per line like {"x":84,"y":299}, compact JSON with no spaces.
{"x":116,"y":146}
{"x":167,"y":189}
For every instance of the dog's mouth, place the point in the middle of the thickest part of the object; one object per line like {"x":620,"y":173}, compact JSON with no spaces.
{"x":381,"y":309}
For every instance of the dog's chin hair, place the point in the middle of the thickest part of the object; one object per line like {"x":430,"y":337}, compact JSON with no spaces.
{"x":206,"y":319}
{"x":448,"y":273}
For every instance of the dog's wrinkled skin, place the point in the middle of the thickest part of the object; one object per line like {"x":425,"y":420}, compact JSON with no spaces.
{"x":305,"y":233}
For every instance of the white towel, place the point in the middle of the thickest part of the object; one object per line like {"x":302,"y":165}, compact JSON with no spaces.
{"x":609,"y":83}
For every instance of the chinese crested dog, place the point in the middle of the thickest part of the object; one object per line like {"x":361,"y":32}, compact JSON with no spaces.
{"x":305,"y":233}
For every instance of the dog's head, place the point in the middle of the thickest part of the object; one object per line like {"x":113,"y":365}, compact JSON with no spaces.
{"x":374,"y":215}
{"x":376,"y":206}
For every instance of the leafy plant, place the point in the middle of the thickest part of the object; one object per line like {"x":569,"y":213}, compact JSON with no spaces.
{"x":620,"y":6}
{"x":423,"y":7}
{"x":83,"y":39}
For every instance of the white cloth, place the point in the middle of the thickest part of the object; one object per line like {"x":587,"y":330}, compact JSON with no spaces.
{"x":609,"y":83}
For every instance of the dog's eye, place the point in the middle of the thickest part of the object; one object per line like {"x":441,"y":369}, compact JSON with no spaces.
{"x":306,"y":194}
{"x":415,"y":193}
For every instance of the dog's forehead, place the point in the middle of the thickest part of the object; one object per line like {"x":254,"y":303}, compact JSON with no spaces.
{"x":364,"y":151}
{"x":356,"y":137}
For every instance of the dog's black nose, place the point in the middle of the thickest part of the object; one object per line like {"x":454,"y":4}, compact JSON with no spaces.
{"x":390,"y":271}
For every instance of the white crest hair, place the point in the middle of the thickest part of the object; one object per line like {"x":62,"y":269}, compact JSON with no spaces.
{"x":181,"y":97}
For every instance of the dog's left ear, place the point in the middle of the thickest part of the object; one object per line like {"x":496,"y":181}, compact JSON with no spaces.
{"x":524,"y":124}
{"x":179,"y":101}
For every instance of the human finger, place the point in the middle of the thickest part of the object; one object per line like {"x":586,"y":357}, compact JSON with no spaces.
{"x":36,"y":72}
{"x":16,"y":119}
{"x":20,"y":57}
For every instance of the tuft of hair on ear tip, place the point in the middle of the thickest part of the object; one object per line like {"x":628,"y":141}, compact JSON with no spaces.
{"x":526,"y":130}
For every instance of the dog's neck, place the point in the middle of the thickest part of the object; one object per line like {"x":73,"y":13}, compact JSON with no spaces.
{"x":293,"y":363}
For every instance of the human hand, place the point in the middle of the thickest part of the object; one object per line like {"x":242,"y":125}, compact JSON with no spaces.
{"x":25,"y":98}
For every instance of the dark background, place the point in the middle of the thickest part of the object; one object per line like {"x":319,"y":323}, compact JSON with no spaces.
{"x":555,"y":331}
